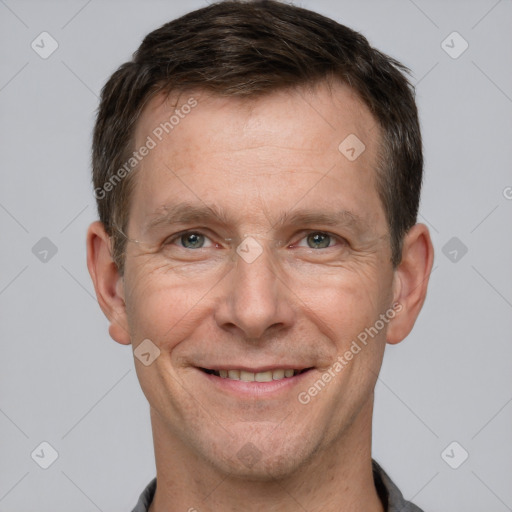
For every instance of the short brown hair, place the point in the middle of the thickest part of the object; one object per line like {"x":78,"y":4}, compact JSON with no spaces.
{"x":252,"y":48}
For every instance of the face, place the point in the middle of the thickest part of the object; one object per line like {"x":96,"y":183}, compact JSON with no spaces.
{"x":260,"y":252}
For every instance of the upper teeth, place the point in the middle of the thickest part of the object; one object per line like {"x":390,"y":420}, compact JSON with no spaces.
{"x":258,"y":377}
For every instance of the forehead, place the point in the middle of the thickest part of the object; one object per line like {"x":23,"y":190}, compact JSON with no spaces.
{"x":226,"y":149}
{"x":329,"y":111}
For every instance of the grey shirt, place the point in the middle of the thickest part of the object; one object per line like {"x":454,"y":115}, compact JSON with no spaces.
{"x":389,"y":494}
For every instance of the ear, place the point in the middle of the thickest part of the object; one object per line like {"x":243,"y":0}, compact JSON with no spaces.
{"x":108,"y":282}
{"x":410,"y":282}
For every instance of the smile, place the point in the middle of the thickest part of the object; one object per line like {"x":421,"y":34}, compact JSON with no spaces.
{"x":260,"y":376}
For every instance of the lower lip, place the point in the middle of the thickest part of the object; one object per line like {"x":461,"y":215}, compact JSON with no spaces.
{"x":253,"y":388}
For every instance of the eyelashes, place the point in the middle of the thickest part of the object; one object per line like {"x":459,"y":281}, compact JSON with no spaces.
{"x":196,"y":239}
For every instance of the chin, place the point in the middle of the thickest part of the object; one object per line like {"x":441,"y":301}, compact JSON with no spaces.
{"x":263,"y":459}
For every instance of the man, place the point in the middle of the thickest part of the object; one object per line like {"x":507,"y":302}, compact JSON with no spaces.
{"x":258,"y":168}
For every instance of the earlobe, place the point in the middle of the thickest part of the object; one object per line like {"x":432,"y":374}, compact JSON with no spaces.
{"x":108,"y":283}
{"x":410,"y":281}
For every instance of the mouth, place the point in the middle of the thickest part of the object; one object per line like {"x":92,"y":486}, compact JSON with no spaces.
{"x":244,"y":375}
{"x":267,"y":383}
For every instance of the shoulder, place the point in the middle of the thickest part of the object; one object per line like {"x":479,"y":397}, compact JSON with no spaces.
{"x":146,"y":497}
{"x":389,"y":493}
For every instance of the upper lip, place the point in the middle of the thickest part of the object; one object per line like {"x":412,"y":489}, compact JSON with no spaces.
{"x":259,"y":369}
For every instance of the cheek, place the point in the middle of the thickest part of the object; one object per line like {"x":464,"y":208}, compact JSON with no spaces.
{"x":344,"y":302}
{"x":164,"y":309}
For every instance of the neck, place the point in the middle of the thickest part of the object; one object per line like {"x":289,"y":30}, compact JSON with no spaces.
{"x":337,"y":479}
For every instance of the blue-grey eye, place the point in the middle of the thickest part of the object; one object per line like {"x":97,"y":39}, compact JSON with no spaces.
{"x":318,"y":240}
{"x":192,"y":240}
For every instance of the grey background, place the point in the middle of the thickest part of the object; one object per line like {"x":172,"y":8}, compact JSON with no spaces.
{"x":64,"y":381}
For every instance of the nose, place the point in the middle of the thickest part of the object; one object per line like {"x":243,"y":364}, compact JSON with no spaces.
{"x":256,"y":301}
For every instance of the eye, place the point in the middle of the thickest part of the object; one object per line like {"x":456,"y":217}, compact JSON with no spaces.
{"x":318,"y":240}
{"x":190,"y":240}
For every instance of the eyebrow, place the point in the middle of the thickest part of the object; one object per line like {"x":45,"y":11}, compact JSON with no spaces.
{"x":186,"y":213}
{"x":338,"y":218}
